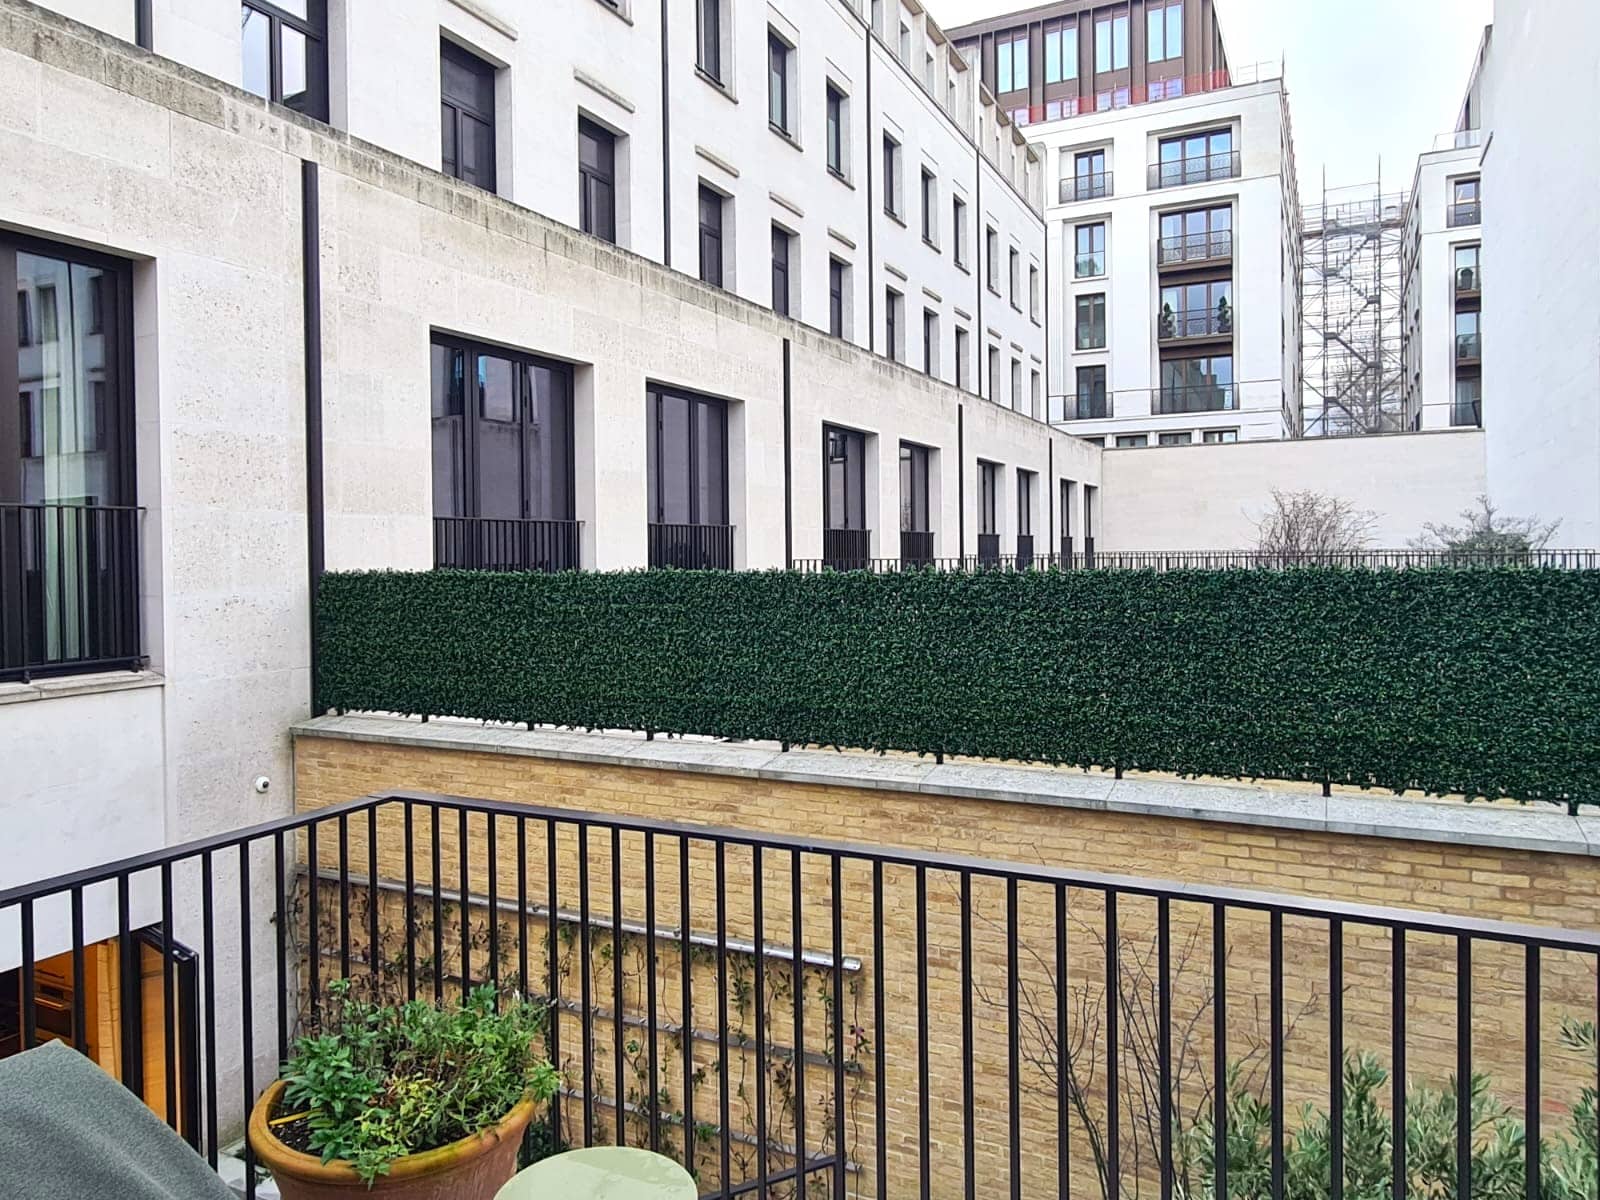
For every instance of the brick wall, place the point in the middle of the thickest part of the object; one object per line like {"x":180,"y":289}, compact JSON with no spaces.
{"x":1518,"y":885}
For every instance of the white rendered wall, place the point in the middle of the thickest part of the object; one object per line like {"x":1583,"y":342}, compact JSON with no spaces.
{"x":1212,"y":497}
{"x":1541,"y":258}
{"x":1264,"y":280}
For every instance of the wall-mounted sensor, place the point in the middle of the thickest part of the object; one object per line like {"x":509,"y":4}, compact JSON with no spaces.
{"x":261,"y":784}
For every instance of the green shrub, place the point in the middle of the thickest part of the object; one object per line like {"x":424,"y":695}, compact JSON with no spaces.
{"x":1482,"y":682}
{"x":380,"y":1081}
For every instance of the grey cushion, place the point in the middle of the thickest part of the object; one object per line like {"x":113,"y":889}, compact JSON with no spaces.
{"x":68,"y":1131}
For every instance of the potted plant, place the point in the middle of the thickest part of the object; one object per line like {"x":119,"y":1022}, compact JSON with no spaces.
{"x":1166,"y":325}
{"x":405,"y":1100}
{"x":1224,"y":316}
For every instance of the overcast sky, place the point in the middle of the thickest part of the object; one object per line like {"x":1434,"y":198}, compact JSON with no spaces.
{"x":1368,"y":79}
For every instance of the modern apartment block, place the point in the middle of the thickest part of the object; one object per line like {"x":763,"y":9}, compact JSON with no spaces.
{"x":1072,"y":57}
{"x":1441,"y":307}
{"x":1175,"y":269}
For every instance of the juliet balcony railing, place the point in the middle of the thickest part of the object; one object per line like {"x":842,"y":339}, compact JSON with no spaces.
{"x":506,"y":544}
{"x":1193,"y":248}
{"x":1469,"y":348}
{"x":69,"y":589}
{"x":1093,"y":186}
{"x":691,"y":547}
{"x":1198,"y":398}
{"x":916,"y":546}
{"x":1084,"y":406}
{"x":1202,"y":168}
{"x":1187,"y":323}
{"x":1468,"y":281}
{"x":860,"y":1019}
{"x":846,"y":549}
{"x":1468,"y":212}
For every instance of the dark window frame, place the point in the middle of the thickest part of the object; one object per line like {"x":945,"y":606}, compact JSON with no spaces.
{"x":837,"y":134}
{"x":782,"y":244}
{"x":989,"y":474}
{"x":838,"y":291}
{"x":599,"y":180}
{"x":930,"y":324}
{"x":712,"y":237}
{"x":693,"y":467}
{"x":893,"y":319}
{"x":1094,"y":375}
{"x":1093,"y":255}
{"x":930,"y":214}
{"x":915,"y":462}
{"x":708,"y":24}
{"x":892,"y":202}
{"x":314,"y":28}
{"x":1080,"y":327}
{"x":455,"y":107}
{"x":846,"y":448}
{"x":779,"y":59}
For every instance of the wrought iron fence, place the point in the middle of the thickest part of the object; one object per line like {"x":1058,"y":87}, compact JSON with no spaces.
{"x":69,"y":589}
{"x":1202,"y":168}
{"x":691,"y":547}
{"x":1195,"y":247}
{"x":846,"y":549}
{"x":773,"y":1009}
{"x":1095,"y":185}
{"x":506,"y":544}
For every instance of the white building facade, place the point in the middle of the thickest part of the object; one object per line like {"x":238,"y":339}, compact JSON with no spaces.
{"x":1174,"y":250}
{"x":1441,"y":290}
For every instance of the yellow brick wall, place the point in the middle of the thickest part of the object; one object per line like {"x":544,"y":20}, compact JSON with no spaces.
{"x":1504,"y":884}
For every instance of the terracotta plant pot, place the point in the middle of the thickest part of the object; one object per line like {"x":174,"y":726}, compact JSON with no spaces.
{"x":475,"y":1168}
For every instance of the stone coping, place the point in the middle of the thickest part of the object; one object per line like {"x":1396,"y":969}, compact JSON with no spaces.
{"x":1353,"y":814}
{"x":57,"y":686}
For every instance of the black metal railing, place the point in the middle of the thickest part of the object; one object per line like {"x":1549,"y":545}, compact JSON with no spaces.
{"x":1212,"y":246}
{"x":1096,"y":186}
{"x":1203,"y":168}
{"x":1469,"y":347}
{"x":69,"y":589}
{"x":988,"y":549}
{"x":1025,"y":558}
{"x":1174,"y":326}
{"x":1468,"y":212}
{"x":1216,"y":397}
{"x":916,"y":546}
{"x":1064,"y":548}
{"x":1085,"y":406}
{"x":691,"y":547}
{"x":1469,"y":280}
{"x":1069,"y":557}
{"x":846,"y":549}
{"x":762,"y":1006}
{"x":506,"y":544}
{"x":1467,"y":410}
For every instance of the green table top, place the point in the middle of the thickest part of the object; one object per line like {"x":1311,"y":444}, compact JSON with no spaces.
{"x":602,"y":1173}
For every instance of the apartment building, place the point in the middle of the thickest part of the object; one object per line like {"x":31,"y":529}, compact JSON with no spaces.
{"x":1175,"y":255}
{"x":1441,"y":290}
{"x":1072,"y":57}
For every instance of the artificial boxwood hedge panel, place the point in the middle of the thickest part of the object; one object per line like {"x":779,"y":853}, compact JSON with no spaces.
{"x":1483,"y":682}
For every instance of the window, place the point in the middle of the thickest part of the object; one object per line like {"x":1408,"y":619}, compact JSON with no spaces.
{"x":711,"y":203}
{"x":778,"y":52}
{"x":1111,"y":43}
{"x":914,"y":507}
{"x":1090,"y":259}
{"x":708,"y":37}
{"x":838,"y":296}
{"x":891,"y":176}
{"x":1196,"y":236}
{"x":991,"y":245}
{"x":686,"y":449}
{"x":1061,"y":54}
{"x":1468,"y":408}
{"x":1196,"y":310}
{"x":1468,"y":343}
{"x":1090,"y":324}
{"x":1035,"y":396}
{"x":466,"y":104}
{"x":1199,"y":384}
{"x":905,"y":43}
{"x":1164,"y":31}
{"x":1090,"y":179}
{"x":1217,"y":437}
{"x":1132,"y":441}
{"x":893,"y":315}
{"x":1011,"y":60}
{"x":1025,"y":481}
{"x":963,"y":350}
{"x":837,"y":140}
{"x":597,"y":180}
{"x":1016,"y":384}
{"x":1465,"y":207}
{"x":930,"y":342}
{"x":1093,"y":441}
{"x":930,"y":214}
{"x":285,"y":53}
{"x":988,"y":498}
{"x":1091,"y":394}
{"x":1467,"y":275}
{"x":1195,"y":158}
{"x":958,"y":227}
{"x":1014,"y":261}
{"x":928,"y":70}
{"x":1174,"y":439}
{"x":844,"y":500}
{"x":781,"y":239}
{"x":994,"y":374}
{"x":502,"y":455}
{"x":1033,"y":293}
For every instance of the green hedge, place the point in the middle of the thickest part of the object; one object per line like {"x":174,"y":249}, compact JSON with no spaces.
{"x":1483,"y":682}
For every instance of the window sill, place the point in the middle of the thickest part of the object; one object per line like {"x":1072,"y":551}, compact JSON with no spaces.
{"x":1015,"y":307}
{"x":58,"y":687}
{"x":780,"y":132}
{"x":841,"y":177}
{"x":895,"y":217}
{"x":617,"y":11}
{"x":931,"y":244}
{"x":993,"y":291}
{"x":715,"y":84}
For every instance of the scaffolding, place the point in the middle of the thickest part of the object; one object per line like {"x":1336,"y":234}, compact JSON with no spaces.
{"x":1351,"y":279}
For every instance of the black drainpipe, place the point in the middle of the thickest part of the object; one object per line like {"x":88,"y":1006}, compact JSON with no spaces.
{"x":666,"y":145}
{"x":143,"y":34}
{"x":961,"y":481}
{"x":982,"y":232}
{"x":872,"y":277}
{"x":311,"y":273}
{"x":1050,"y":488}
{"x":788,"y":469}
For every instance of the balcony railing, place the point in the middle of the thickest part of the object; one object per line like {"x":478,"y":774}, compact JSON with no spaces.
{"x":846,"y":549}
{"x":1467,"y":411}
{"x":1213,"y":246}
{"x":988,"y":549}
{"x":1025,"y":557}
{"x":691,"y":547}
{"x":1191,"y":323}
{"x":916,"y":546}
{"x":762,"y":1006}
{"x":69,"y":589}
{"x":1087,"y":406}
{"x":1469,"y":281}
{"x":1469,"y":212}
{"x":1469,"y":348}
{"x":1204,"y":168}
{"x":1075,"y":556}
{"x":1217,"y":397}
{"x":1095,"y":186}
{"x":505,"y":544}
